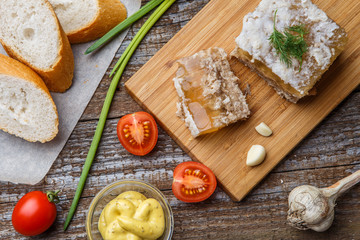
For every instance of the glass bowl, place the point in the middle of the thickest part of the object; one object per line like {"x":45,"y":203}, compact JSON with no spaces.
{"x":112,"y":190}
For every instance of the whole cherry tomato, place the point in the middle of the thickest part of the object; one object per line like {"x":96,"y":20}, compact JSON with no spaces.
{"x":35,"y":212}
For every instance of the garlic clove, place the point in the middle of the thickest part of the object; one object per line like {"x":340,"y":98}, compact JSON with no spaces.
{"x":255,"y":155}
{"x":325,"y":224}
{"x":263,"y":129}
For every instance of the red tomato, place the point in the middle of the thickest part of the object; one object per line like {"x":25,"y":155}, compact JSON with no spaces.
{"x":193,"y":182}
{"x":137,"y":133}
{"x":33,"y":214}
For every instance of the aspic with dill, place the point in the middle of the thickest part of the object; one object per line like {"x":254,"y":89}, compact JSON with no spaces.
{"x":290,"y":44}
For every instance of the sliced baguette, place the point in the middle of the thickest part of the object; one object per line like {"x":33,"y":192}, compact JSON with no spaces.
{"x":86,"y":20}
{"x":30,"y":32}
{"x":26,"y":107}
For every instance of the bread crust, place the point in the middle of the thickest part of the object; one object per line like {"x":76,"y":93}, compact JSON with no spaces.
{"x":110,"y":13}
{"x":14,"y":68}
{"x":59,"y":77}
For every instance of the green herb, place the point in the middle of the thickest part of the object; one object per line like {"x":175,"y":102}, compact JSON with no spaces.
{"x":123,"y":25}
{"x":288,"y":45}
{"x":121,"y":64}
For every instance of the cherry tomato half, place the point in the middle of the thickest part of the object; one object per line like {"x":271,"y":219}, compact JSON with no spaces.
{"x":138,"y":133}
{"x":33,"y":214}
{"x":193,"y":182}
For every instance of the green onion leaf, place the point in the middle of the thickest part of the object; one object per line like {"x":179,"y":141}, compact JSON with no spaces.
{"x":123,"y":25}
{"x":109,"y":96}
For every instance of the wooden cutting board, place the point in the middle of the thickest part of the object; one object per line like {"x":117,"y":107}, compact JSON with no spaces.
{"x":218,"y":24}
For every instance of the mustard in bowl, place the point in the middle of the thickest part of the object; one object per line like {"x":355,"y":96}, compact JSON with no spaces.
{"x":129,"y":209}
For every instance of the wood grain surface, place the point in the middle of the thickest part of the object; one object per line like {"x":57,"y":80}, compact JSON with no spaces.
{"x":330,"y":152}
{"x":218,"y":24}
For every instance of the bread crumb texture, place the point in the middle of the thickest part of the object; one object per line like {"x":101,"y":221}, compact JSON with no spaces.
{"x":31,"y":31}
{"x":75,"y":15}
{"x":26,"y":110}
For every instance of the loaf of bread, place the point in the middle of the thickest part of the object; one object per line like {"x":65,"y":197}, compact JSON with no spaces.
{"x":30,"y":32}
{"x":86,"y":20}
{"x":26,"y":107}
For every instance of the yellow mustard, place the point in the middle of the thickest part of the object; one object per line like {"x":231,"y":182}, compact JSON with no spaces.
{"x":132,"y":216}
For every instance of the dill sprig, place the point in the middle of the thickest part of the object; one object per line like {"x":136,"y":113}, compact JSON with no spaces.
{"x":290,"y":44}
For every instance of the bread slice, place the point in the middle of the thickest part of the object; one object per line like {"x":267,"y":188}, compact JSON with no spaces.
{"x":31,"y":33}
{"x":86,"y":20}
{"x":26,"y":107}
{"x":209,"y":95}
{"x":325,"y":40}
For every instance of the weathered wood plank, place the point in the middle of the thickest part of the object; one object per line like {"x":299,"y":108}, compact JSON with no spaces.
{"x":329,"y":153}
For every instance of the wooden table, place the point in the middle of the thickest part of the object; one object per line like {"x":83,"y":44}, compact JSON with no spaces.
{"x":328,"y":154}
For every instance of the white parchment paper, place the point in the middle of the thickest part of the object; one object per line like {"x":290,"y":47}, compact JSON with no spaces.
{"x":25,"y":162}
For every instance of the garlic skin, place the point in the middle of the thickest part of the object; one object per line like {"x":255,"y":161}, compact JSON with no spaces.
{"x":310,"y":209}
{"x":313,"y":208}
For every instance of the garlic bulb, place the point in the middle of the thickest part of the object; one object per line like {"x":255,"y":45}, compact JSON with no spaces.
{"x":313,"y":208}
